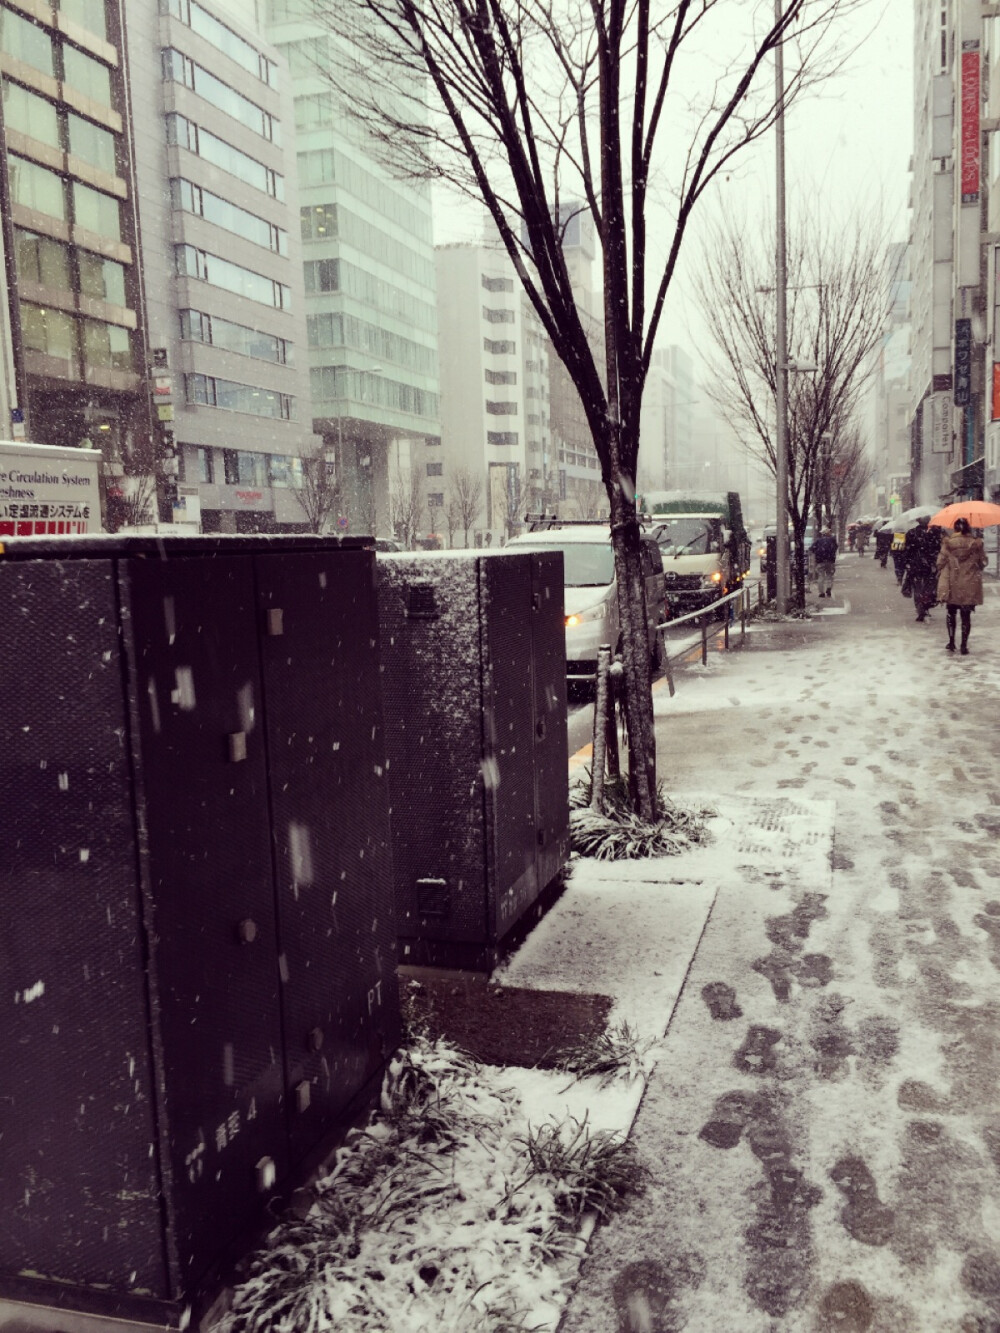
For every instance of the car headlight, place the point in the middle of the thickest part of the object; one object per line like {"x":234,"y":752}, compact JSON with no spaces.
{"x":597,"y":612}
{"x":712,"y":580}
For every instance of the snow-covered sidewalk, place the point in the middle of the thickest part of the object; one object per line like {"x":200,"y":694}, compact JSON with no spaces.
{"x":822,"y":1129}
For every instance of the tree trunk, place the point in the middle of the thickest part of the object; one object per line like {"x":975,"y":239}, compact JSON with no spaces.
{"x":635,"y":655}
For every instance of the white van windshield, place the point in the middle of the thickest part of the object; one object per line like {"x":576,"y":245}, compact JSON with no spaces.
{"x":585,"y":564}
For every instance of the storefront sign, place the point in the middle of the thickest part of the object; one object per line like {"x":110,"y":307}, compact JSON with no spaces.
{"x":970,"y":123}
{"x":963,"y":361}
{"x":47,"y":491}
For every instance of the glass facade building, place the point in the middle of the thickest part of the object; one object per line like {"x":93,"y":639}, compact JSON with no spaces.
{"x":370,"y":288}
{"x":74,"y":306}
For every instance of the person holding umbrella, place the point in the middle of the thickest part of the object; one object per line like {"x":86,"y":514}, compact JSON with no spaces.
{"x":960,"y":564}
{"x":920,"y":551}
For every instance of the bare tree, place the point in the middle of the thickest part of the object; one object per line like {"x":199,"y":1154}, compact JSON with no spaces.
{"x":406,"y":502}
{"x":465,"y":493}
{"x":514,"y":502}
{"x":452,"y":518}
{"x":318,"y":494}
{"x":130,"y":501}
{"x":837,"y":286}
{"x":845,"y":471}
{"x":590,"y":504}
{"x":544,"y":113}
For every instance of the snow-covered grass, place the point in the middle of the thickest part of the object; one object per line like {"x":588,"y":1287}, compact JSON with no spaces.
{"x":451,"y":1211}
{"x":617,"y":833}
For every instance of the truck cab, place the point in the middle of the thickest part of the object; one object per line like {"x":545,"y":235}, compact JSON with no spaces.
{"x":705,"y":547}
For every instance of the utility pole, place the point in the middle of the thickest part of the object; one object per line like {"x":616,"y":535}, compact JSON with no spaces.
{"x":781,"y":350}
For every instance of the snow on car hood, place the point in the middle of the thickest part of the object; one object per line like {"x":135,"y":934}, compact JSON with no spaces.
{"x":581,"y":599}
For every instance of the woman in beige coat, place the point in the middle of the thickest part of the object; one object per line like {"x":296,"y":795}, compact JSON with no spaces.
{"x":960,"y":563}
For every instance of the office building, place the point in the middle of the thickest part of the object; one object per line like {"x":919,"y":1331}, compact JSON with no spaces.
{"x":73,"y":337}
{"x":494,"y":392}
{"x":371,"y":309}
{"x":219,"y":230}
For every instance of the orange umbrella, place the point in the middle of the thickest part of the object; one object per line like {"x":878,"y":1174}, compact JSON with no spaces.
{"x":978,"y":514}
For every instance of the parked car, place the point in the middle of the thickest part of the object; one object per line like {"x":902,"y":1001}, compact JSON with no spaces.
{"x":591,"y":594}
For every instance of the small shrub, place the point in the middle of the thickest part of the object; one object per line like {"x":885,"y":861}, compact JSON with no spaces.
{"x":614,"y":1053}
{"x":586,"y":1172}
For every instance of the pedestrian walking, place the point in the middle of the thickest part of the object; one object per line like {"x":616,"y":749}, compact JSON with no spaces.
{"x":960,"y":563}
{"x":883,"y":542}
{"x":921,"y":552}
{"x":824,"y":548}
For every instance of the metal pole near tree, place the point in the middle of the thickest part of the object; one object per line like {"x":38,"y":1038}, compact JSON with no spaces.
{"x":781,"y":336}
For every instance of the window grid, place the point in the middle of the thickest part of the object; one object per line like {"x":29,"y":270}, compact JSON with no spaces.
{"x":230,"y":396}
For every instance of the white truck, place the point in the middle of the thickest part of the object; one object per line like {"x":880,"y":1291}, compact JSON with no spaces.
{"x":705,"y":545}
{"x":48,"y":491}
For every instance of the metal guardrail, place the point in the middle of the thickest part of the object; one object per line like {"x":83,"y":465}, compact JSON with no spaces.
{"x":703,"y":615}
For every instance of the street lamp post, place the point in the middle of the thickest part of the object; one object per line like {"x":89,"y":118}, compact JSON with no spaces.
{"x":781,"y":350}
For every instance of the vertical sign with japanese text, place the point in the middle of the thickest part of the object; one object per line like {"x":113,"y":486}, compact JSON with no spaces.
{"x":963,"y":361}
{"x":970,"y":123}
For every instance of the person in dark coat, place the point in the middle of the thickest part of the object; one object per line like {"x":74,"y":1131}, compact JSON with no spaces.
{"x":921,"y":551}
{"x":824,"y":548}
{"x":960,"y":563}
{"x":883,"y":542}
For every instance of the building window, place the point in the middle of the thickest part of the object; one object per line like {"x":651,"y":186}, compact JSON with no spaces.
{"x":26,"y":41}
{"x":498,"y":316}
{"x":50,"y":331}
{"x":199,"y":327}
{"x":206,"y":25}
{"x":182,"y":69}
{"x":435,"y":469}
{"x":500,"y":347}
{"x":501,"y":409}
{"x":42,"y":260}
{"x":89,"y":14}
{"x":185,"y":133}
{"x":435,"y":499}
{"x":34,"y":187}
{"x":285,"y":471}
{"x":100,"y":213}
{"x":501,"y":437}
{"x":232,"y":277}
{"x":210,"y":391}
{"x":29,"y":114}
{"x":87,"y":75}
{"x":106,"y":345}
{"x":92,"y":144}
{"x":502,"y":377}
{"x":319,"y":222}
{"x":322,"y":275}
{"x":498,"y":284}
{"x":204,"y":471}
{"x":221,"y":213}
{"x":101,"y":278}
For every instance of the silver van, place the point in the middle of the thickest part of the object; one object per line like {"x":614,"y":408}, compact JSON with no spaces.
{"x":591,"y":594}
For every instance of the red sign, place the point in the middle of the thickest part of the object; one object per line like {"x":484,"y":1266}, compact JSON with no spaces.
{"x":970,"y":122}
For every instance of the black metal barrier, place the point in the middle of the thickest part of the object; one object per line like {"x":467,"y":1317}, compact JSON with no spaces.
{"x":474,"y":682}
{"x":197,"y":898}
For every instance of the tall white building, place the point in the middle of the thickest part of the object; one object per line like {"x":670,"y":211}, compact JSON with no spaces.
{"x":892,"y":391}
{"x":221,"y":260}
{"x":669,"y":449}
{"x":371,"y":307}
{"x":494,"y":389}
{"x":954,"y":240}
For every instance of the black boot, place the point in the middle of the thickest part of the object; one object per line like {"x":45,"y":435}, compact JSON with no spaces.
{"x":950,"y":645}
{"x":964,"y":650}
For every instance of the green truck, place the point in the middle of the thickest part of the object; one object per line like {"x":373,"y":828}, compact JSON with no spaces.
{"x":705,"y":545}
